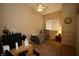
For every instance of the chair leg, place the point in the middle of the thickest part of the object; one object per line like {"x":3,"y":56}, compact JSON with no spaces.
{"x":36,"y":53}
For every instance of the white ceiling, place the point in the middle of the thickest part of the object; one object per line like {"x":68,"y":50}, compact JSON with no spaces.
{"x":50,"y":7}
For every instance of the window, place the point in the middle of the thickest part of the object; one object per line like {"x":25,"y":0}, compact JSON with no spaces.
{"x":52,"y":24}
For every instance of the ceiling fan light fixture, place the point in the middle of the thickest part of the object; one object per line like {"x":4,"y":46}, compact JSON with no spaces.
{"x":40,"y":8}
{"x":39,"y":5}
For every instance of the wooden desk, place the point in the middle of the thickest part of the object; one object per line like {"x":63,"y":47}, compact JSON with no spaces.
{"x":22,"y":48}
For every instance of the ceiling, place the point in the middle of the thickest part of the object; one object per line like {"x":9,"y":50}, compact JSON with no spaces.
{"x":50,"y":7}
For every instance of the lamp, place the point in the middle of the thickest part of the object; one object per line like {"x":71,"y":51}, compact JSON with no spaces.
{"x":59,"y":31}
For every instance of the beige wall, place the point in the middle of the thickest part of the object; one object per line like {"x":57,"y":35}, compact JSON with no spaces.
{"x":0,"y":27}
{"x":77,"y":40}
{"x":69,"y":30}
{"x":55,"y":15}
{"x":22,"y":18}
{"x":0,"y":19}
{"x":0,"y":22}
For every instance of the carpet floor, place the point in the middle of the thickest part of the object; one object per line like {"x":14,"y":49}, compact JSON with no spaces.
{"x":54,"y":48}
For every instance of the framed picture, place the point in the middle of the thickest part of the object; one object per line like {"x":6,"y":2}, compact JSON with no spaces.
{"x":67,"y":20}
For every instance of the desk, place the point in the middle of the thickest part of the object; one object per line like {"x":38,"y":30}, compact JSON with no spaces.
{"x":22,"y":48}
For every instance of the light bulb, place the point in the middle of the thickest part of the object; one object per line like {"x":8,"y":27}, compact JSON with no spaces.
{"x":59,"y":32}
{"x":39,"y":10}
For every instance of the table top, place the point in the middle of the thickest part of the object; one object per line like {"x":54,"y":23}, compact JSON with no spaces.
{"x":22,"y":48}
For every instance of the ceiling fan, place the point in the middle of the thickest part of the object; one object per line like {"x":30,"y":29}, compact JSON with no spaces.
{"x":40,"y":8}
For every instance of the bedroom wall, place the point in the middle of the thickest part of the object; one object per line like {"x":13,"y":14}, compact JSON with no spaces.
{"x":21,"y":18}
{"x":0,"y":19}
{"x":51,"y":16}
{"x":0,"y":26}
{"x":77,"y":33}
{"x":69,"y":30}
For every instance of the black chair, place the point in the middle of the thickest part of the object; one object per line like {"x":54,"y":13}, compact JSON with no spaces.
{"x":36,"y":53}
{"x":7,"y":53}
{"x":23,"y":37}
{"x":1,"y":49}
{"x":11,"y":39}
